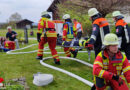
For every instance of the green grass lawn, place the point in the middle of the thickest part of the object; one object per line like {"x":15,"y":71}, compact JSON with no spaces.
{"x":20,"y":32}
{"x":25,"y":65}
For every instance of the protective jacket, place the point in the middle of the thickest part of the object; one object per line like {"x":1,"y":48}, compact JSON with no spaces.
{"x":68,"y":35}
{"x":105,"y":68}
{"x":68,"y":31}
{"x":75,"y":26}
{"x":49,"y":35}
{"x":99,"y":30}
{"x":46,"y":26}
{"x":123,"y":32}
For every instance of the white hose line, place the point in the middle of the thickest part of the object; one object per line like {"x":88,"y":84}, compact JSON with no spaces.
{"x":55,"y":68}
{"x":45,"y":49}
{"x":67,"y":72}
{"x":11,"y":51}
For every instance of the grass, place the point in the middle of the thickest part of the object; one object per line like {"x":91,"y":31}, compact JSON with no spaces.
{"x":25,"y":65}
{"x":20,"y":32}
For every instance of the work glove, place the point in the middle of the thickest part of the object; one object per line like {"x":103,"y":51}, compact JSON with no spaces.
{"x":39,"y":37}
{"x":118,"y":79}
{"x":115,"y":77}
{"x":90,"y":46}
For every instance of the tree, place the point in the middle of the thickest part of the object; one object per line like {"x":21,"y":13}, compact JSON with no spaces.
{"x":79,"y":9}
{"x":14,"y":18}
{"x":103,"y":6}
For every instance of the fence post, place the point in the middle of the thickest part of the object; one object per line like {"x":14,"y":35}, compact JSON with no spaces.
{"x":26,"y":35}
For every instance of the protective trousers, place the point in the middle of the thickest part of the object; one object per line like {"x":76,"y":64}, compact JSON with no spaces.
{"x":52,"y":44}
{"x":68,"y":51}
{"x":127,"y":51}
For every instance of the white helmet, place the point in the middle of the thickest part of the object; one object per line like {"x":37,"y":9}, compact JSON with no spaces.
{"x":92,"y":12}
{"x":66,"y":16}
{"x":42,"y":79}
{"x":116,"y":13}
{"x":9,"y":27}
{"x":110,"y":39}
{"x":44,"y":13}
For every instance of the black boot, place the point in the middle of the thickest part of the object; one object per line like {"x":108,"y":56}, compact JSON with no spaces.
{"x":74,"y":53}
{"x":0,"y":50}
{"x":39,"y":57}
{"x":93,"y":87}
{"x":57,"y":62}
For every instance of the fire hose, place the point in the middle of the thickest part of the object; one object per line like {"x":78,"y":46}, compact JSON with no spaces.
{"x":56,"y":68}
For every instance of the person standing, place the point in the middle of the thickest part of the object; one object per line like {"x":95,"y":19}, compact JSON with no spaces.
{"x":109,"y":66}
{"x":47,"y":34}
{"x":11,"y":35}
{"x":100,"y":28}
{"x":123,"y":32}
{"x":79,"y":29}
{"x":68,"y":35}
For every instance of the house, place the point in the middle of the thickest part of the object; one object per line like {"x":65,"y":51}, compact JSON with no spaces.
{"x":53,"y":8}
{"x":24,"y":23}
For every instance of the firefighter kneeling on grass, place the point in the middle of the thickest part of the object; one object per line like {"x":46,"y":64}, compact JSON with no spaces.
{"x":110,"y":66}
{"x":46,"y":33}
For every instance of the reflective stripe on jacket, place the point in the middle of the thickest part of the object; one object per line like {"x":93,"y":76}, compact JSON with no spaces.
{"x":75,"y":26}
{"x":68,"y":31}
{"x":123,"y":31}
{"x":105,"y":68}
{"x":99,"y":30}
{"x":46,"y":26}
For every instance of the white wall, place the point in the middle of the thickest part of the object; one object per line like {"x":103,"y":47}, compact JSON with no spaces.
{"x":127,"y":19}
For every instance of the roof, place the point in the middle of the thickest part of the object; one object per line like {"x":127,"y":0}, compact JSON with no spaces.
{"x":24,"y":20}
{"x":53,"y":5}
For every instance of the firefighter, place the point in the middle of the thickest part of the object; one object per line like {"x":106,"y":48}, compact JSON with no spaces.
{"x":68,"y":34}
{"x":79,"y":29}
{"x":77,"y":43}
{"x":109,"y":65}
{"x":99,"y":30}
{"x":123,"y":32}
{"x":46,"y":33}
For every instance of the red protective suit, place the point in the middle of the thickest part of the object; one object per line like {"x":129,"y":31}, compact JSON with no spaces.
{"x":47,"y":28}
{"x":104,"y":68}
